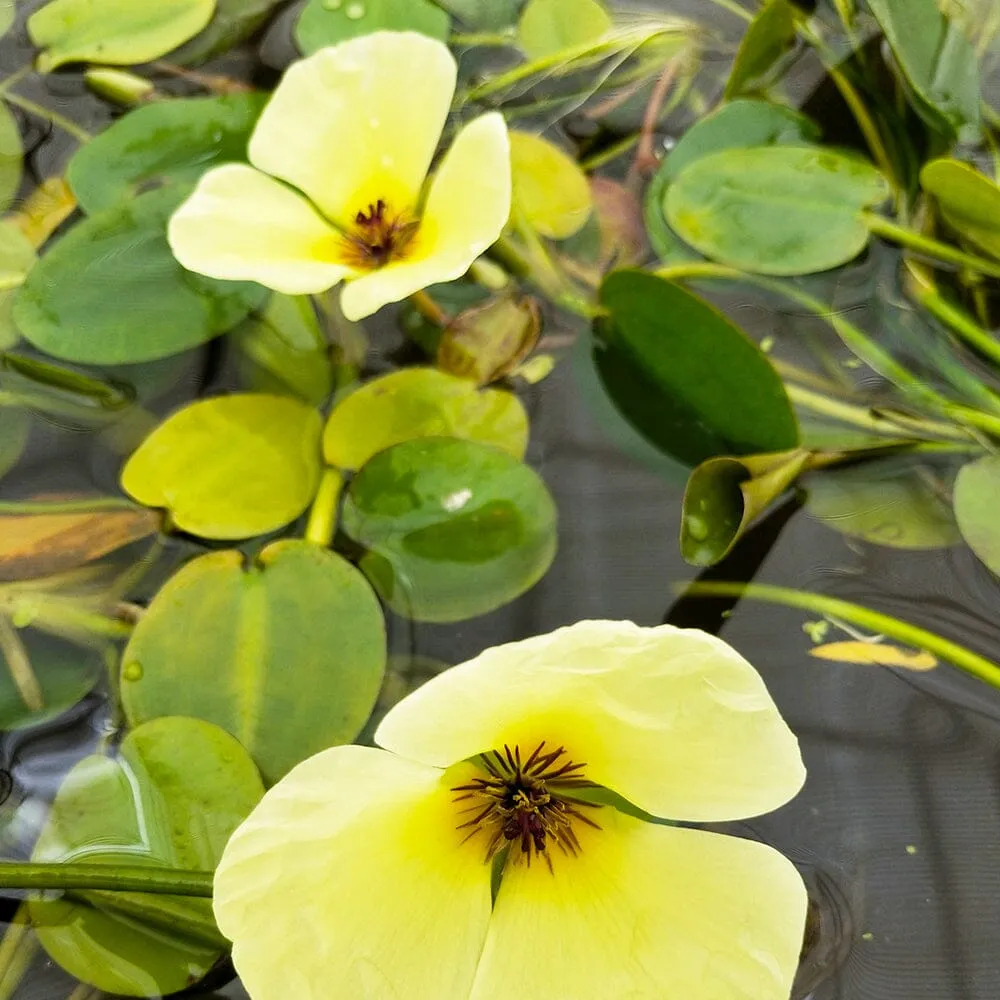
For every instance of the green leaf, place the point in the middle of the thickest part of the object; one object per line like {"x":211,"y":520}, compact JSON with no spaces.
{"x":483,"y":15}
{"x":549,"y":26}
{"x":233,"y":22}
{"x":10,"y":157}
{"x":326,"y":22}
{"x":174,"y":795}
{"x":968,"y":201}
{"x":296,"y":643}
{"x":548,"y":186}
{"x":737,"y":125}
{"x":885,"y":502}
{"x":688,"y":379}
{"x":724,"y":496}
{"x":110,"y":291}
{"x":167,"y":142}
{"x":17,"y":258}
{"x":936,"y":58}
{"x":15,"y":425}
{"x":779,"y":210}
{"x":453,"y":528}
{"x":770,"y":36}
{"x":7,"y":15}
{"x":976,"y":489}
{"x":421,"y":402}
{"x":231,"y":466}
{"x":118,"y":32}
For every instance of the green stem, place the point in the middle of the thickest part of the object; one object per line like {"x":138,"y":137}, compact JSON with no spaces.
{"x":118,"y":878}
{"x":14,"y":79}
{"x":913,"y":635}
{"x":958,"y":321}
{"x":322,"y":523}
{"x":90,"y":505}
{"x":591,"y":163}
{"x":80,"y":134}
{"x":520,"y":264}
{"x":19,"y":667}
{"x":933,"y":249}
{"x":18,"y":949}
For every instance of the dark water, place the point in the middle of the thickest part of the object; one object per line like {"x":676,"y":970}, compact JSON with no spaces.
{"x":897,"y":825}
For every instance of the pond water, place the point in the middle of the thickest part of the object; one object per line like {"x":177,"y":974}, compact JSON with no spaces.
{"x":894,"y":829}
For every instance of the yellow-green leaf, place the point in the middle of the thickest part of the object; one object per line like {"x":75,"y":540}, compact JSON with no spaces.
{"x":550,"y":189}
{"x":549,"y":26}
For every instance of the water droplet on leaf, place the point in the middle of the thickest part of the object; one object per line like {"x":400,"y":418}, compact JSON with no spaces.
{"x":355,"y":11}
{"x":132,"y":671}
{"x":697,"y":527}
{"x":332,"y":4}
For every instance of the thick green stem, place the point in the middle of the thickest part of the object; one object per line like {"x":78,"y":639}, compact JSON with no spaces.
{"x":322,"y":523}
{"x":124,"y":878}
{"x":913,"y":635}
{"x":87,"y":505}
{"x":933,"y":249}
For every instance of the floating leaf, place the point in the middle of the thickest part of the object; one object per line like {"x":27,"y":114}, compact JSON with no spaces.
{"x":779,"y":210}
{"x":233,"y":22}
{"x":724,"y":496}
{"x":231,"y":466}
{"x":416,"y":403}
{"x":33,"y":545}
{"x":976,"y":489}
{"x":968,"y":200}
{"x":937,"y":59}
{"x":878,"y":653}
{"x":770,"y":35}
{"x":549,"y":187}
{"x":10,"y":157}
{"x":119,"y":32}
{"x":327,"y":22}
{"x":17,"y":258}
{"x":453,"y":528}
{"x":165,"y":142}
{"x":736,"y":125}
{"x":296,"y":644}
{"x":110,"y":291}
{"x":173,"y":796}
{"x":693,"y":383}
{"x":549,"y":26}
{"x":886,"y":502}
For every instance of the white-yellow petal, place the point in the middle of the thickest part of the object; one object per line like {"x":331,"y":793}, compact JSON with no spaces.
{"x":467,"y":207}
{"x":358,"y":121}
{"x":674,"y":720}
{"x":349,"y":880}
{"x":647,"y":912}
{"x":240,"y":224}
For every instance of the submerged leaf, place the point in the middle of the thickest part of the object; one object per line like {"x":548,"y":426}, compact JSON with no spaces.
{"x":549,"y":186}
{"x":968,"y":200}
{"x":549,"y":26}
{"x":976,"y":489}
{"x":770,"y":35}
{"x":879,"y":653}
{"x":327,"y":22}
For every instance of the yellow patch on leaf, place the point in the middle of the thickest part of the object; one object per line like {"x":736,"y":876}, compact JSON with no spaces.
{"x":877,"y":653}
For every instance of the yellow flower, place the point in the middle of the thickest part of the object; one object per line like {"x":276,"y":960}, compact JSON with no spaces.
{"x":365,"y":874}
{"x":353,"y":129}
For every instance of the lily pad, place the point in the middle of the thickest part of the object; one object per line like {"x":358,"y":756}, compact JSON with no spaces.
{"x":172,"y":797}
{"x":549,"y":26}
{"x":11,"y":153}
{"x":416,"y":403}
{"x":118,"y":32}
{"x":230,"y":467}
{"x":770,"y":35}
{"x":111,"y":293}
{"x":167,"y":142}
{"x":327,"y":22}
{"x":549,"y":186}
{"x":296,"y":644}
{"x":453,"y":528}
{"x":683,"y":375}
{"x":17,"y":258}
{"x":781,"y":210}
{"x":976,"y":489}
{"x":968,"y":200}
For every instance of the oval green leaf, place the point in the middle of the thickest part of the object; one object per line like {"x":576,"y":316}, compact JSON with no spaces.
{"x":230,"y":467}
{"x":111,"y":293}
{"x":118,"y":32}
{"x":172,"y":797}
{"x":779,"y":210}
{"x":770,"y":35}
{"x":296,"y":644}
{"x":968,"y":200}
{"x":549,"y":26}
{"x":164,"y":142}
{"x":688,"y":379}
{"x":10,"y":157}
{"x":549,"y":186}
{"x":453,"y":528}
{"x":976,"y":488}
{"x":416,"y":403}
{"x":327,"y":22}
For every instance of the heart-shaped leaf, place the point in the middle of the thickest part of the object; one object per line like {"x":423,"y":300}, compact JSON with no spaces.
{"x":230,"y":467}
{"x":779,"y":210}
{"x":111,"y":293}
{"x":172,"y":797}
{"x":976,"y":488}
{"x":968,"y":200}
{"x":296,"y":643}
{"x":327,"y":22}
{"x":549,"y":186}
{"x":453,"y":528}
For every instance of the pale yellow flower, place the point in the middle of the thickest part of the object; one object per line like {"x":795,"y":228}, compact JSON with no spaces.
{"x":365,"y":874}
{"x":353,"y":129}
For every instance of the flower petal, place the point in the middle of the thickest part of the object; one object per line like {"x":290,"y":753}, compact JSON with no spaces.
{"x":350,"y":877}
{"x":241,"y":224}
{"x":358,"y":121}
{"x":675,"y":720}
{"x":646,"y":912}
{"x":467,"y":208}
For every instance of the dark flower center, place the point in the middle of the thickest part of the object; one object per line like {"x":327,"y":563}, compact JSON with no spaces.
{"x":528,"y":804}
{"x":378,"y":237}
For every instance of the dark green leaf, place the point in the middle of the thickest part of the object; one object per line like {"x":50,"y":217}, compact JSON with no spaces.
{"x":976,"y":489}
{"x":483,"y":15}
{"x":968,"y":200}
{"x":453,"y":528}
{"x":233,"y":22}
{"x":770,"y":36}
{"x":327,"y":22}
